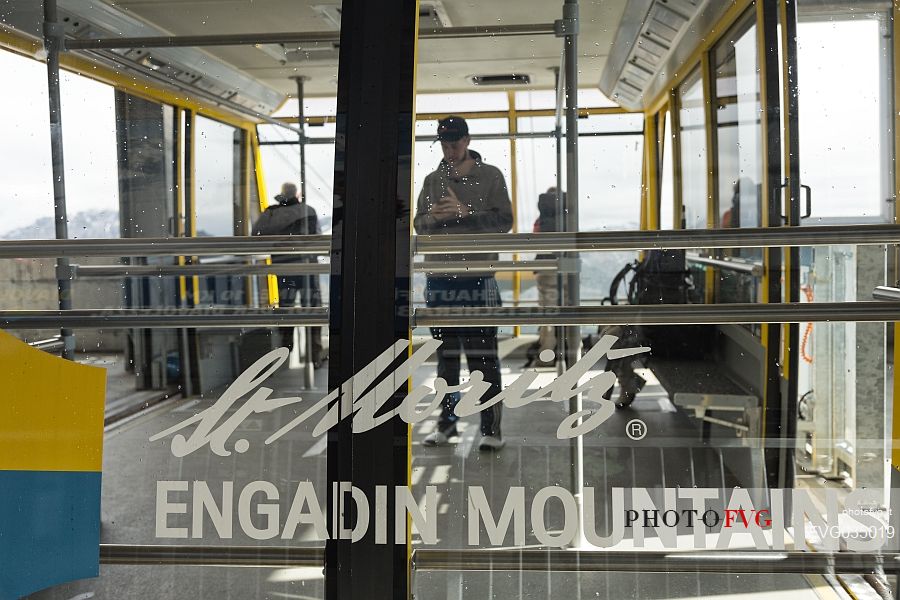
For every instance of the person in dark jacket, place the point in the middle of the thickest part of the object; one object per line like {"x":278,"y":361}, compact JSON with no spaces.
{"x":292,"y":216}
{"x":464,"y":195}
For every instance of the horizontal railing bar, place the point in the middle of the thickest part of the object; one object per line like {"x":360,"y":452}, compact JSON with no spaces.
{"x":585,"y":241}
{"x":494,"y":266}
{"x":224,"y":556}
{"x":282,"y":269}
{"x":660,"y":314}
{"x":200,"y":317}
{"x":52,"y":345}
{"x":729,"y":561}
{"x":246,"y":39}
{"x":731,"y":265}
{"x":883,"y":292}
{"x":199,"y":246}
{"x":588,"y":241}
{"x":291,"y":269}
{"x":475,"y":136}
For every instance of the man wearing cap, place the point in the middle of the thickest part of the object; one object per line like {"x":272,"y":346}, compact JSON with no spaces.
{"x":464,"y":195}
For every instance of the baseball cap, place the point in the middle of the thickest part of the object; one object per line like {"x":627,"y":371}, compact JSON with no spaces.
{"x":452,"y":128}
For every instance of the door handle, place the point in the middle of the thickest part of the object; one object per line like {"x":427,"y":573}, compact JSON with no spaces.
{"x":808,"y":212}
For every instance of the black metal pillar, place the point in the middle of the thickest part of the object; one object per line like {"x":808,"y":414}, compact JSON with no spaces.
{"x":53,"y":41}
{"x":370,"y":274}
{"x":778,"y":456}
{"x":791,"y":99}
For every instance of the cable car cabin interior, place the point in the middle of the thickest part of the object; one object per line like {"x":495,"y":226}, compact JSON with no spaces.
{"x":711,"y":183}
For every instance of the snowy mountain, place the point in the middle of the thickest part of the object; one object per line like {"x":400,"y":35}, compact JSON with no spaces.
{"x":85,"y":224}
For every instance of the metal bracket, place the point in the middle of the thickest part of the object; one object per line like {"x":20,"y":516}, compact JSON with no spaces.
{"x":569,"y":264}
{"x":66,"y":271}
{"x":565,"y":27}
{"x":55,"y":31}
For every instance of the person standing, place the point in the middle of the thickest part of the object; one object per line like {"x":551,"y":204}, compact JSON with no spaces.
{"x":549,"y":211}
{"x":464,"y":195}
{"x":293,"y":216}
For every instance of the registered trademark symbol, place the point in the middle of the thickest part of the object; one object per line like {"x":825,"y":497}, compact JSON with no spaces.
{"x":636,"y":429}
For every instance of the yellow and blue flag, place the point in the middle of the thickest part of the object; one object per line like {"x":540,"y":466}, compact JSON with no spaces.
{"x":51,"y":444}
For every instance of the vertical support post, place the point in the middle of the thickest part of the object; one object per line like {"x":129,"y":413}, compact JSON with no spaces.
{"x":187,"y":383}
{"x":307,"y":295}
{"x":53,"y":41}
{"x":791,"y":156}
{"x":778,"y":458}
{"x":560,"y":209}
{"x":569,"y":26}
{"x":370,"y":291}
{"x":512,"y":120}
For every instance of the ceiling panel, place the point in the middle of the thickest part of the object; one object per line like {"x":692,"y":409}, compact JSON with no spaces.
{"x":444,"y":65}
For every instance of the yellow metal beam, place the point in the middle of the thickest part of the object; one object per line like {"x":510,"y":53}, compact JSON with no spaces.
{"x":651,"y":172}
{"x":271,"y":280}
{"x":677,"y":192}
{"x":33,"y":48}
{"x":483,"y":114}
{"x":709,"y":120}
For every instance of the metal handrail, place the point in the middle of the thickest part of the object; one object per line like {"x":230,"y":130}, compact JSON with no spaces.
{"x":730,"y":265}
{"x":249,"y":245}
{"x":200,"y":317}
{"x":282,"y":269}
{"x":659,"y":314}
{"x":244,"y":39}
{"x":52,"y":345}
{"x":224,"y":556}
{"x":583,"y":241}
{"x":290,"y":269}
{"x":885,"y":293}
{"x":593,"y":241}
{"x":725,"y":561}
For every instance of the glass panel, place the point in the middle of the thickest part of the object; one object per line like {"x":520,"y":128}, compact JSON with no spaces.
{"x":738,"y":128}
{"x":112,"y":471}
{"x":694,"y":174}
{"x":845,"y":146}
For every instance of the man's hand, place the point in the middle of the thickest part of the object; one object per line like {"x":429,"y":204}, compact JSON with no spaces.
{"x":449,"y":207}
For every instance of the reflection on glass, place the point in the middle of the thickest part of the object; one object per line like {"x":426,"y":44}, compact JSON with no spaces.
{"x":738,"y":128}
{"x":218,"y":199}
{"x":692,"y":120}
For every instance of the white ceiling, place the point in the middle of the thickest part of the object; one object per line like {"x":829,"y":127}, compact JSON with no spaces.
{"x":444,"y":65}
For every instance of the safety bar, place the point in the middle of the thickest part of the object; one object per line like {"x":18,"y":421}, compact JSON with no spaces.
{"x":659,"y":314}
{"x":244,"y":39}
{"x":494,"y":266}
{"x":885,"y":293}
{"x":274,"y":244}
{"x":728,"y":561}
{"x":282,"y":269}
{"x":687,"y":239}
{"x":584,"y":241}
{"x":730,"y":265}
{"x":163,"y":318}
{"x":222,"y":556}
{"x":52,"y":345}
{"x":290,"y":269}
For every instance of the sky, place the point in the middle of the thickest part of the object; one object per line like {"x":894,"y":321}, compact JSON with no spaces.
{"x":840,"y":130}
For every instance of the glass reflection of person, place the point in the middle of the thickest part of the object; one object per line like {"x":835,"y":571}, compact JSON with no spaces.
{"x":464,"y":195}
{"x":547,"y":281}
{"x":293,"y":216}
